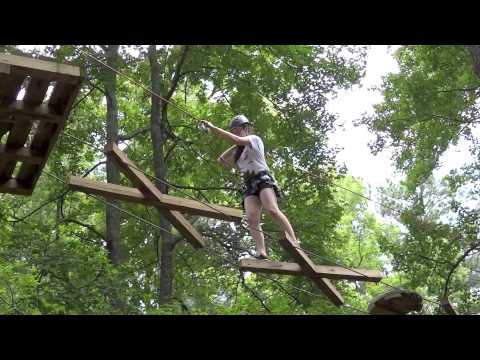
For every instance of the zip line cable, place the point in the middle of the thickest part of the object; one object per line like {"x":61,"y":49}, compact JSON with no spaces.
{"x":191,"y":115}
{"x":176,"y":186}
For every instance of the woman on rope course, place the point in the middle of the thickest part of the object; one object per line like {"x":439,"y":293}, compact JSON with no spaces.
{"x":260,"y":190}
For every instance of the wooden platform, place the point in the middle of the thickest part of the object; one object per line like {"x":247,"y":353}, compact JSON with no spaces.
{"x":395,"y":302}
{"x":319,"y":274}
{"x":148,"y":189}
{"x":29,"y":128}
{"x":323,"y":271}
{"x":130,"y":194}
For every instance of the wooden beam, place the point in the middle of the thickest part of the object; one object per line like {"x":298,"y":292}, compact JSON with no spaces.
{"x":149,"y":189}
{"x":40,"y":65}
{"x":309,"y":269}
{"x":19,"y":132}
{"x":47,"y":132}
{"x":23,"y":154}
{"x":12,"y":186}
{"x":62,"y":97}
{"x":36,"y":91}
{"x":448,"y":307}
{"x":4,"y":128}
{"x":5,"y":69}
{"x":10,"y":85}
{"x":167,"y":201}
{"x":20,"y":108}
{"x":323,"y":271}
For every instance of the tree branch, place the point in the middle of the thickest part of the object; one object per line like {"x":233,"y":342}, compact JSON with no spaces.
{"x":133,"y":134}
{"x":169,"y":151}
{"x":203,"y":188}
{"x":94,"y":280}
{"x":88,"y":226}
{"x":435,"y":260}
{"x":83,"y":98}
{"x":176,"y":76}
{"x":198,"y":70}
{"x":176,"y":240}
{"x":280,"y":285}
{"x":95,"y":86}
{"x":464,"y":89}
{"x":455,"y":266}
{"x":242,"y":278}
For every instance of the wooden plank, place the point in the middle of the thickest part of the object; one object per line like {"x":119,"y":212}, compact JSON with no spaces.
{"x":17,"y":137}
{"x":36,"y":91}
{"x":61,"y":99}
{"x":47,"y":134}
{"x":5,"y":68}
{"x":19,"y":107}
{"x":4,"y":128}
{"x":10,"y":87}
{"x":29,"y":173}
{"x":167,"y":201}
{"x":309,"y":269}
{"x":184,"y":227}
{"x":13,"y":187}
{"x":19,"y":133}
{"x":323,"y":271}
{"x":149,"y":189}
{"x":23,"y":154}
{"x":43,"y":137}
{"x":42,"y":143}
{"x":7,"y":167}
{"x":40,"y":65}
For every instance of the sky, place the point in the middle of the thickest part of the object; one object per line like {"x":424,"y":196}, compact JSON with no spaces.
{"x":349,"y":105}
{"x":374,"y":171}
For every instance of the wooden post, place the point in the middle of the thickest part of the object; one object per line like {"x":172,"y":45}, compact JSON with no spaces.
{"x":309,"y":269}
{"x":149,"y":189}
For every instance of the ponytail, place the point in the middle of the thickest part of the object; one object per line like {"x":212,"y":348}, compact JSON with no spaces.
{"x":240,"y":148}
{"x":238,"y":152}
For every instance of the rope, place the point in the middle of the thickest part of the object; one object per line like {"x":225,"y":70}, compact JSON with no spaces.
{"x":163,"y":229}
{"x":267,"y":234}
{"x":194,"y":117}
{"x":114,"y":206}
{"x":150,"y":91}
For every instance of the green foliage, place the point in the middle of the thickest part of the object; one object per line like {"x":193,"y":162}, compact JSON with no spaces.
{"x":55,"y":261}
{"x":428,"y":107}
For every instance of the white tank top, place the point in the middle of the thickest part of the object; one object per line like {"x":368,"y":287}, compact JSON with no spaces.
{"x":252,"y":158}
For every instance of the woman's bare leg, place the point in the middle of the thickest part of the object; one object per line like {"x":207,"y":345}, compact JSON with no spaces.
{"x":253,"y":211}
{"x":269,"y":202}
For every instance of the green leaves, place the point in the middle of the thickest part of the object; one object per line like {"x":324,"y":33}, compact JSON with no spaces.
{"x":427,"y":107}
{"x":283,"y":90}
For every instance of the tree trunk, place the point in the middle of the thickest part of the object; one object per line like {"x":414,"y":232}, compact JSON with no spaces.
{"x":113,"y":175}
{"x":158,"y":134}
{"x":475,"y":51}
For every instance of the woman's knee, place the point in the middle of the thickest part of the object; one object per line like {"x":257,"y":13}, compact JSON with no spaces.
{"x":253,"y":218}
{"x":274,"y":212}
